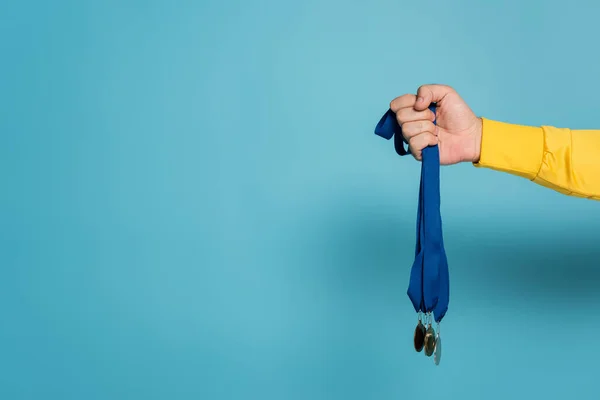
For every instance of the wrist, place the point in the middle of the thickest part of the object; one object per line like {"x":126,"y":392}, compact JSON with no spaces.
{"x":477,"y":134}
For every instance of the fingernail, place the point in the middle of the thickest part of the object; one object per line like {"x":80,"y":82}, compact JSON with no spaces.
{"x":420,"y":100}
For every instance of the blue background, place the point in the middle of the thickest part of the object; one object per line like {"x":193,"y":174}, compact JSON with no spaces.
{"x":193,"y":203}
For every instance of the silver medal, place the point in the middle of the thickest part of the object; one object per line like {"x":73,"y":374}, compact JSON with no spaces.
{"x":437,"y":351}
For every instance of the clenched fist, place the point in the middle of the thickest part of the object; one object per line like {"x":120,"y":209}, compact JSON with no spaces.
{"x":458,"y":130}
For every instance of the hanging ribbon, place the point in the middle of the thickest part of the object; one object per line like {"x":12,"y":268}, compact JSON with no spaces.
{"x":429,"y":285}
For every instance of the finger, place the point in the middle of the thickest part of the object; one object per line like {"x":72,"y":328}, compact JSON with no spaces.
{"x":407,"y":100}
{"x":409,"y":114}
{"x":428,"y":94}
{"x":417,"y":143}
{"x":414,"y":128}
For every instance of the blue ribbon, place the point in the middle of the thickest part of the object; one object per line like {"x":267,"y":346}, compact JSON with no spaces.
{"x":429,"y":285}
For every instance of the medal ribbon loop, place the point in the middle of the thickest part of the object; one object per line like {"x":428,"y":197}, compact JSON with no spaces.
{"x":429,"y":284}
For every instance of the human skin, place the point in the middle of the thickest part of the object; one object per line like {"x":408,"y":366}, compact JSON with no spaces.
{"x":457,"y":130}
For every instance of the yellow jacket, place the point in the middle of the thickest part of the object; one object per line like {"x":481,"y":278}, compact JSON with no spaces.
{"x":561,"y":159}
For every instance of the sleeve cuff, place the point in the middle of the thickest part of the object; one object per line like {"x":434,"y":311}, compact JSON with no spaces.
{"x":515,"y":149}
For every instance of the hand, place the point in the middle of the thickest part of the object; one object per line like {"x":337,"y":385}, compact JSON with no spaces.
{"x":458,"y":130}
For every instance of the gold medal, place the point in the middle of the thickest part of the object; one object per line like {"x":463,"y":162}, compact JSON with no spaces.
{"x":429,"y":341}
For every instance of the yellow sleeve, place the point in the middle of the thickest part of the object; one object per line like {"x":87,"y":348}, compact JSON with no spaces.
{"x":561,"y":159}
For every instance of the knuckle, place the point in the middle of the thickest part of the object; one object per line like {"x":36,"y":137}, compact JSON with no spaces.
{"x":424,"y":89}
{"x":416,"y":154}
{"x":418,"y":126}
{"x":415,"y":144}
{"x":405,"y":115}
{"x":401,"y":116}
{"x":432,"y":139}
{"x":408,"y":129}
{"x":398,"y":102}
{"x":414,"y":127}
{"x":413,"y":151}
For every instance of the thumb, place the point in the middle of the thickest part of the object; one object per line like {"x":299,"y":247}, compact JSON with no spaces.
{"x":428,"y":94}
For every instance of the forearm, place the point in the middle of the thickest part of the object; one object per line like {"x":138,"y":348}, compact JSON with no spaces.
{"x":561,"y":159}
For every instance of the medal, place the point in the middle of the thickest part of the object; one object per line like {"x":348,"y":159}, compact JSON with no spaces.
{"x":429,"y":284}
{"x":437,"y":351}
{"x":429,"y":341}
{"x":419,"y":337}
